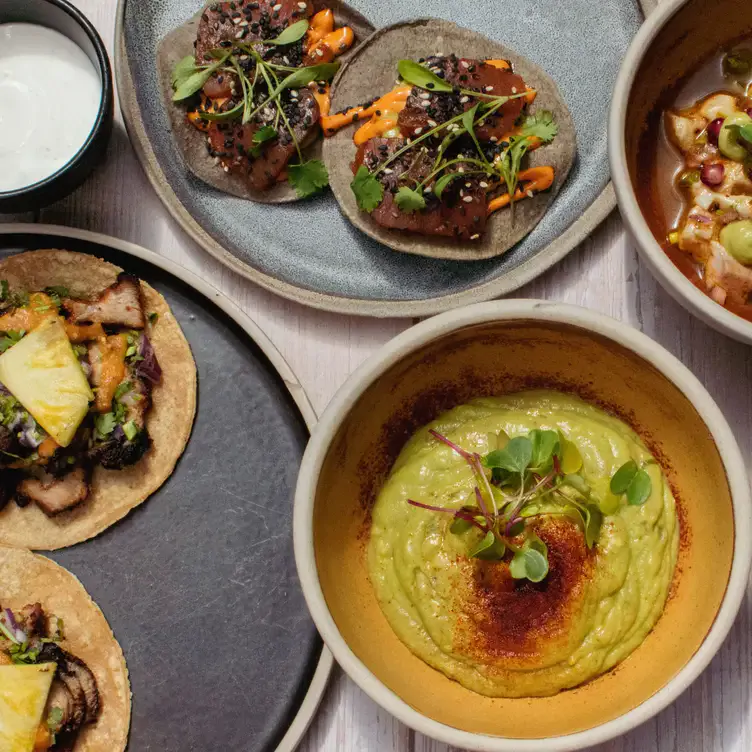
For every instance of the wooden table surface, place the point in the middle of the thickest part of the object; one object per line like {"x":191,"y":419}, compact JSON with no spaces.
{"x":603,"y":274}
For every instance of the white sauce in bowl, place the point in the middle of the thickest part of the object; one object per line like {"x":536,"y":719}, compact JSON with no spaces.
{"x":50,"y":93}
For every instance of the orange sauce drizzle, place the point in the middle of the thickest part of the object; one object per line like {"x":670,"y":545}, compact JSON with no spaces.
{"x":113,"y":369}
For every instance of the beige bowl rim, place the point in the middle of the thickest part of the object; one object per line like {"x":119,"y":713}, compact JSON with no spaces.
{"x":541,"y":311}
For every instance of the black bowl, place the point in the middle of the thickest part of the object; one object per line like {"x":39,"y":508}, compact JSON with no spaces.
{"x":64,"y":18}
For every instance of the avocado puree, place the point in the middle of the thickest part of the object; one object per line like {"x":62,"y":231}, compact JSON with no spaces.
{"x":467,"y":618}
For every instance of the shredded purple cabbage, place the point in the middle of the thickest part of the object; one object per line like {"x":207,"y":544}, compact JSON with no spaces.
{"x":30,"y":434}
{"x":148,"y":368}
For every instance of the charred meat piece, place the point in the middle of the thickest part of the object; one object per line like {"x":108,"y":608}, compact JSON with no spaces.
{"x":221,"y":23}
{"x":72,"y":713}
{"x":423,"y":107}
{"x":78,"y":680}
{"x":117,"y":451}
{"x":262,"y":167}
{"x":54,"y":495}
{"x":119,"y":305}
{"x":33,"y":620}
{"x":461,"y":212}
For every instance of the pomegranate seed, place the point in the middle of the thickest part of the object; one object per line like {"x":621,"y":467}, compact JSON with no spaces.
{"x":712,"y":174}
{"x":714,"y":130}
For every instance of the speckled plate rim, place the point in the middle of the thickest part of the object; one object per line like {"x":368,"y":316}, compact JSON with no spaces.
{"x":509,"y":282}
{"x":515,"y":310}
{"x":674,"y":282}
{"x":320,"y":679}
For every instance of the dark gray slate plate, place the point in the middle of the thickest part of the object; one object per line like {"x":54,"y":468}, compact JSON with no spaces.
{"x":308,"y":251}
{"x":199,"y":583}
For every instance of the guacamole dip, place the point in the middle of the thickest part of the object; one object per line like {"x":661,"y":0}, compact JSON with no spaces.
{"x":469,"y":617}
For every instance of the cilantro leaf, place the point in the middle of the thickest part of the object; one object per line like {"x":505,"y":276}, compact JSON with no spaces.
{"x":260,"y":137}
{"x":308,"y":178}
{"x":57,"y":293}
{"x":105,"y":424}
{"x":9,"y":338}
{"x":153,"y":318}
{"x":541,"y":125}
{"x":367,"y":189}
{"x":408,"y":200}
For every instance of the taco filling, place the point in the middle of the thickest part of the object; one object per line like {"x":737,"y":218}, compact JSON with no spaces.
{"x":48,"y":695}
{"x":257,"y":87}
{"x":76,"y":379}
{"x":445,"y":149}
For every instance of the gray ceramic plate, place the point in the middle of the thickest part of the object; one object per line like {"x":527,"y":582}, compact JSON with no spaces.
{"x":199,"y":582}
{"x":308,"y":251}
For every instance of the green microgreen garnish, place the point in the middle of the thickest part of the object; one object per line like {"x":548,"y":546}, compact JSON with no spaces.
{"x":634,"y":483}
{"x":523,"y":480}
{"x":494,"y":162}
{"x":105,"y":424}
{"x":188,"y":78}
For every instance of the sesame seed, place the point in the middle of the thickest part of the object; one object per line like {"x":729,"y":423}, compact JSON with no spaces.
{"x":276,"y":7}
{"x":244,"y":23}
{"x":475,"y":237}
{"x":418,"y":131}
{"x":320,"y":52}
{"x":483,"y":184}
{"x":494,"y":139}
{"x":388,"y":171}
{"x":236,"y":21}
{"x":468,"y":199}
{"x":425,"y":103}
{"x":462,"y":193}
{"x":461,"y":169}
{"x":464,"y":100}
{"x":425,"y":95}
{"x":302,"y":6}
{"x":529,"y":193}
{"x":428,"y":189}
{"x":468,"y":185}
{"x":432,"y":123}
{"x":239,"y":35}
{"x":465,"y":64}
{"x":514,"y":90}
{"x":489,"y":88}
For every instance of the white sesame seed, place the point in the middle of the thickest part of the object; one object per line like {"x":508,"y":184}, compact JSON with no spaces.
{"x":428,"y":189}
{"x":237,"y":20}
{"x":432,"y":123}
{"x":494,"y":139}
{"x":483,"y":184}
{"x":388,"y":171}
{"x":278,"y":6}
{"x":245,"y":57}
{"x":488,"y":88}
{"x":425,"y":95}
{"x":464,"y":64}
{"x":239,"y":35}
{"x":462,"y":193}
{"x":302,"y":6}
{"x":529,"y":193}
{"x":514,"y":90}
{"x":320,"y":52}
{"x":285,"y":60}
{"x":461,"y":169}
{"x":475,"y":237}
{"x":468,"y":199}
{"x":418,"y":131}
{"x":425,"y":103}
{"x":226,"y":169}
{"x":464,"y":100}
{"x":468,"y":185}
{"x":244,"y":23}
{"x":293,"y":92}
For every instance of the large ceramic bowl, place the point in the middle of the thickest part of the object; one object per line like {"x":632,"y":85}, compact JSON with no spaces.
{"x":674,"y":39}
{"x":491,"y":349}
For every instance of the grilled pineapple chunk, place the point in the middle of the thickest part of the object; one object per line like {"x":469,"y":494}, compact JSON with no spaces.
{"x":23,"y":696}
{"x":43,"y":373}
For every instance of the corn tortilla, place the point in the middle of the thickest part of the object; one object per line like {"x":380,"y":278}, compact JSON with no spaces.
{"x":114,"y":493}
{"x":30,"y":578}
{"x":192,"y":143}
{"x":371,"y":72}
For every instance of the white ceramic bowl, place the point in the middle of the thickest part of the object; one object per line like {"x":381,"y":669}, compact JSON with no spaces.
{"x":335,"y":437}
{"x":681,"y":25}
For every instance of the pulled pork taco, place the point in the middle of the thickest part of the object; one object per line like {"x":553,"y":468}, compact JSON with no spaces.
{"x":245,"y":86}
{"x":63,"y":679}
{"x":97,"y":396}
{"x":461,"y":158}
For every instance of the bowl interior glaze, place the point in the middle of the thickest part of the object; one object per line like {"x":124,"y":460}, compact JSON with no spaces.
{"x":497,"y":358}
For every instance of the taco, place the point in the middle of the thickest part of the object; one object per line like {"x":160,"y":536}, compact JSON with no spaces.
{"x":97,"y":396}
{"x":63,"y":680}
{"x":245,"y":85}
{"x":462,"y":158}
